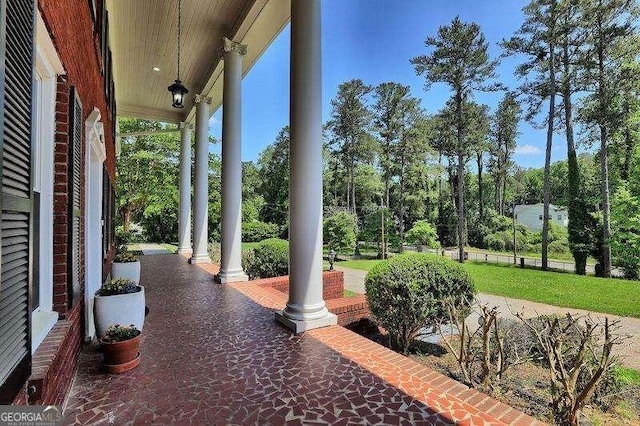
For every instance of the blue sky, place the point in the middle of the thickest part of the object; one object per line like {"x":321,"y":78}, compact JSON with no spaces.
{"x":374,"y":40}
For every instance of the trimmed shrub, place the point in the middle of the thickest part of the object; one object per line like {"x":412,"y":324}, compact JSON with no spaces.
{"x":253,"y":232}
{"x":270,"y":259}
{"x":407,"y":292}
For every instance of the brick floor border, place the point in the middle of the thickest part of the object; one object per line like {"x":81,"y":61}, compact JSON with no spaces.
{"x":413,"y":378}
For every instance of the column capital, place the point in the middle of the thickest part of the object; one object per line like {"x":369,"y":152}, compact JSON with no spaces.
{"x":202,"y":98}
{"x":233,"y":46}
{"x":185,"y":125}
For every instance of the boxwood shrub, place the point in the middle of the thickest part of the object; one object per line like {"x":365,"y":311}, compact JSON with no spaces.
{"x":253,"y":232}
{"x":407,"y":292}
{"x":270,"y":259}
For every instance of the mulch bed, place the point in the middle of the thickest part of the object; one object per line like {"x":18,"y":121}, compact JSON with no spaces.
{"x":525,"y":387}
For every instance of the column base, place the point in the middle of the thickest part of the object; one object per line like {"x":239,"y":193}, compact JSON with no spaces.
{"x":225,"y":277}
{"x":200,"y":258}
{"x":300,"y":326}
{"x":185,"y":250}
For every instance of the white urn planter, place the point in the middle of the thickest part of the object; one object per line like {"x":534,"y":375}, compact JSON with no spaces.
{"x":123,"y":309}
{"x":127,"y":270}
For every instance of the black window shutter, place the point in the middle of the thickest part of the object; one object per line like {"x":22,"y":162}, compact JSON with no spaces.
{"x":17,"y":22}
{"x":74,"y":214}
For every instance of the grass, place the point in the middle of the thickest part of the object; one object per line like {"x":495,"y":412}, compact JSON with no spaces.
{"x":249,"y":246}
{"x":628,"y":376}
{"x":607,"y":295}
{"x":173,"y":249}
{"x":349,"y":293}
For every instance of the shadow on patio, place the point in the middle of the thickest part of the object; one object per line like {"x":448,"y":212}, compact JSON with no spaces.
{"x":213,"y":354}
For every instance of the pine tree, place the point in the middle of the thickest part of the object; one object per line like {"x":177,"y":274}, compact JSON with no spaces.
{"x":459,"y":58}
{"x":537,"y":40}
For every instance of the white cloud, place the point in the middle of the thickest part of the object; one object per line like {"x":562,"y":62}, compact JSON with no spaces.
{"x":528,"y":150}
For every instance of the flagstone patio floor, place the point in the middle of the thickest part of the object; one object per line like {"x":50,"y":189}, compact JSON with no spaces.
{"x":213,"y":354}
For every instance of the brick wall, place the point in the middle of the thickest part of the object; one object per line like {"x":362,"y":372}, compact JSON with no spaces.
{"x":71,"y":28}
{"x":349,"y":309}
{"x":332,"y":284}
{"x":54,"y":363}
{"x":61,"y":199}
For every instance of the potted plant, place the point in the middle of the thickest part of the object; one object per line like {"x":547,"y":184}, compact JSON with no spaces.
{"x":120,"y":301}
{"x":126,"y":264}
{"x":120,"y":347}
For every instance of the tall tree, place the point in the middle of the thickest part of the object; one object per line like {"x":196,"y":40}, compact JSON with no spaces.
{"x":478,"y":142}
{"x":412,"y":149}
{"x":273,"y":169}
{"x":571,"y":39}
{"x":459,"y":58}
{"x":350,"y":125}
{"x":147,"y":170}
{"x":537,"y":40}
{"x":610,"y":24}
{"x":395,"y":113}
{"x":505,"y":132}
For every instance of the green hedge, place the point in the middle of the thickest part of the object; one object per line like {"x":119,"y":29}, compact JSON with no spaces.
{"x":253,"y":232}
{"x":270,"y":259}
{"x":407,"y":293}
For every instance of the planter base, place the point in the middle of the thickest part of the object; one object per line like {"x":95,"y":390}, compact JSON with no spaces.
{"x":121,"y":368}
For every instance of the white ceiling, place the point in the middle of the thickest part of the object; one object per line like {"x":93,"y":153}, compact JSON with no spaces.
{"x":143,"y":35}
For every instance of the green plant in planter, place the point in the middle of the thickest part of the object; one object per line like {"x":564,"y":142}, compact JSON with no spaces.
{"x":118,"y":286}
{"x":122,"y":241}
{"x":118,"y":333}
{"x":126,"y":257}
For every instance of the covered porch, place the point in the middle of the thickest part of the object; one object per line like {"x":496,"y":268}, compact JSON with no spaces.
{"x":213,"y":354}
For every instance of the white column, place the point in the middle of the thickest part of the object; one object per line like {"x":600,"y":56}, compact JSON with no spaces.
{"x":201,"y":182}
{"x":184,"y":219}
{"x":231,"y":242}
{"x":305,"y":309}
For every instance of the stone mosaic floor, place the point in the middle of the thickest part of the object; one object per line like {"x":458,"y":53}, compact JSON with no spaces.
{"x":213,"y":354}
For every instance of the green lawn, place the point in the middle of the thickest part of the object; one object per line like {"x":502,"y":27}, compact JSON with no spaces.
{"x":249,"y":246}
{"x":173,"y":249}
{"x":628,"y":376}
{"x":613,"y":296}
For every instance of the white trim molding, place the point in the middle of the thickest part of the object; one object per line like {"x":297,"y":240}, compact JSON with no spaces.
{"x":48,"y":67}
{"x":96,"y":155}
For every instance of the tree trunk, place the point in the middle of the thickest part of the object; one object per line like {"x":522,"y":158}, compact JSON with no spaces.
{"x":604,"y":164}
{"x":625,"y":173}
{"x":126,"y":219}
{"x":480,"y":190}
{"x":547,"y":159}
{"x":460,"y":148}
{"x":402,"y":164}
{"x":577,"y":208}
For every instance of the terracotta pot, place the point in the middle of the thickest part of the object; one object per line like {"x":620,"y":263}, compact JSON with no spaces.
{"x":121,"y":356}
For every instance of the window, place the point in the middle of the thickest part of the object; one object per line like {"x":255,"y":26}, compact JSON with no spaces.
{"x":559,"y":217}
{"x":48,"y":67}
{"x":540,"y":217}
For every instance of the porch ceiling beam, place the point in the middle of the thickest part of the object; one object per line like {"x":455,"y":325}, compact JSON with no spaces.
{"x":148,"y":132}
{"x":133,"y":111}
{"x":264,"y":22}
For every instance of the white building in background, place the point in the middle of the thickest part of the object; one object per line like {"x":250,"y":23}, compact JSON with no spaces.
{"x":530,"y":215}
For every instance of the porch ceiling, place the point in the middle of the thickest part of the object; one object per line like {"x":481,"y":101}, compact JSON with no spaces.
{"x":143,"y":35}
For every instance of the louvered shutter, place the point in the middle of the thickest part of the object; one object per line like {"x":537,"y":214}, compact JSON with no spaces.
{"x":16,"y":66}
{"x":75,"y":216}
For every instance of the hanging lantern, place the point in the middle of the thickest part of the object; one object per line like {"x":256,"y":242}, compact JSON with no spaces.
{"x":177,"y":89}
{"x":177,"y":92}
